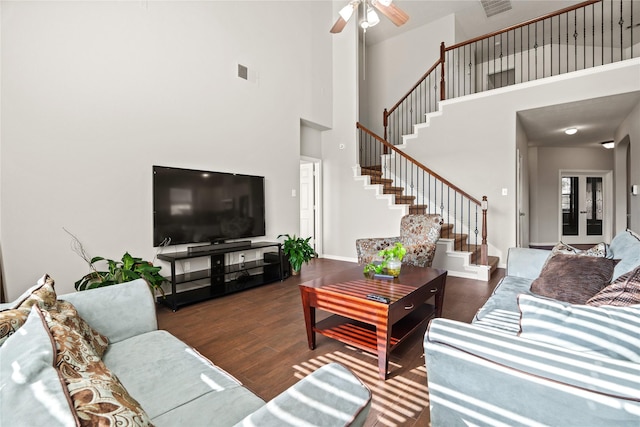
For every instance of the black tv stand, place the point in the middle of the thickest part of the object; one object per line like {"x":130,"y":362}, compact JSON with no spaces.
{"x":223,"y":277}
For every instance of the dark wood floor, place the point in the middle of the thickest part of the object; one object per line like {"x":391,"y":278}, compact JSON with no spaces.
{"x":259,"y":337}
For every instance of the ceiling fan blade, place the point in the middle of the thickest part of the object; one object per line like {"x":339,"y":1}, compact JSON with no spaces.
{"x":344,"y":16}
{"x":393,"y":12}
{"x":338,"y":26}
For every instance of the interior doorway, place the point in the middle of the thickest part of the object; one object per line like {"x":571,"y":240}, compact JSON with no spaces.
{"x":585,"y":207}
{"x":310,"y":202}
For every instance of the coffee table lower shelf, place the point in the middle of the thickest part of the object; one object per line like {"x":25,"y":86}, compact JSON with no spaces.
{"x":363,"y":335}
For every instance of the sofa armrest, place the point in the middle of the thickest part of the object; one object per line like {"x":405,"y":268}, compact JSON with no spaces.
{"x":118,"y":311}
{"x":526,"y":262}
{"x":330,"y":396}
{"x":479,"y":376}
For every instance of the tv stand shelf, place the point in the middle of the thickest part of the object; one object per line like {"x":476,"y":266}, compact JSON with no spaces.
{"x":221,"y":278}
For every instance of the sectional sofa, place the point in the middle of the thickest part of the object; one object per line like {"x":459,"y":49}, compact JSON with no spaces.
{"x":97,"y":358}
{"x":538,"y":360}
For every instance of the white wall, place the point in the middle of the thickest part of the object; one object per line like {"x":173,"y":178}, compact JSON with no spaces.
{"x":473,"y":142}
{"x":524,"y":217}
{"x":550,"y":161}
{"x":95,"y":93}
{"x":630,"y":128}
{"x":396,"y":64}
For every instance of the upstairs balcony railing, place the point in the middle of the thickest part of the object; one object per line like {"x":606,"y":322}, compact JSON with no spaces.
{"x":589,"y":34}
{"x":463,"y":214}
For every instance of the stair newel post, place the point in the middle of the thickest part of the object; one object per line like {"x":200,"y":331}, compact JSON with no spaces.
{"x":484,"y":256}
{"x":442,"y":91}
{"x":385,"y":122}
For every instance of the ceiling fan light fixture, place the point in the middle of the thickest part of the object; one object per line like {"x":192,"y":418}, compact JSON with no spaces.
{"x":608,"y":144}
{"x":571,"y":131}
{"x":346,"y":12}
{"x":372,"y":17}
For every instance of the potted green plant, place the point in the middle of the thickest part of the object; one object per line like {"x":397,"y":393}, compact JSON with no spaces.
{"x":127,"y":269}
{"x":297,"y":250}
{"x":391,"y":261}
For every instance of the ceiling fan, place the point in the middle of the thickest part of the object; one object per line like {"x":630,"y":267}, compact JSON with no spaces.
{"x":391,"y":11}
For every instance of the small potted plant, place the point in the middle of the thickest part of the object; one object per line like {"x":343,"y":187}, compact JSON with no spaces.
{"x":391,"y":261}
{"x":298,"y":251}
{"x":392,"y":257}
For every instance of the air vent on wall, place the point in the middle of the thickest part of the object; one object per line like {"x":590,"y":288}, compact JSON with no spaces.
{"x":243,"y":72}
{"x":494,"y":7}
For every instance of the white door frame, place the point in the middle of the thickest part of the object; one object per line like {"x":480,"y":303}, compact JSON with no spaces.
{"x":608,"y":215}
{"x":317,"y":174}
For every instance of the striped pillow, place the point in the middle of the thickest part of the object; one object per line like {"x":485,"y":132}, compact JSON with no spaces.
{"x":624,"y":291}
{"x":607,"y":331}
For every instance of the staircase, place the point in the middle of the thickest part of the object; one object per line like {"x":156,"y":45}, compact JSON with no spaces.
{"x":464,"y":69}
{"x":454,"y":252}
{"x":375,"y":174}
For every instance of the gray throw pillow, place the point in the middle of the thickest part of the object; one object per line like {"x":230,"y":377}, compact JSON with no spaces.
{"x":573,"y":279}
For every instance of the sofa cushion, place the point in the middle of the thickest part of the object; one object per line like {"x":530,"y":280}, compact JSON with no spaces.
{"x":31,"y":392}
{"x":220,"y":408}
{"x":98,"y":396}
{"x":573,"y":279}
{"x":607,"y":331}
{"x":42,"y":294}
{"x":624,"y":291}
{"x":625,"y":246}
{"x":185,"y":375}
{"x":505,"y":296}
{"x":307,"y":402}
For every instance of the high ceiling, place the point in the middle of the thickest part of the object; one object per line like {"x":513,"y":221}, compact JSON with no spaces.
{"x":470,"y":16}
{"x":596,"y":119}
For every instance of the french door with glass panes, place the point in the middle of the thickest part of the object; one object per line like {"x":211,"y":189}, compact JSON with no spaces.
{"x":582,"y":208}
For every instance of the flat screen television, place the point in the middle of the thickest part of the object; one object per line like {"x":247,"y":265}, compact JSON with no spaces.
{"x":194,"y":206}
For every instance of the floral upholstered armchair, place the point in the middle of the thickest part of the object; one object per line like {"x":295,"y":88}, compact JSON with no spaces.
{"x":418,"y":233}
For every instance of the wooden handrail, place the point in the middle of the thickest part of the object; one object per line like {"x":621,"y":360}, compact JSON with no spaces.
{"x":420,"y":80}
{"x":524,"y":24}
{"x":417,"y":163}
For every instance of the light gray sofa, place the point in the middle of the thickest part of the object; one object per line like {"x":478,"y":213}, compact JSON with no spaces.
{"x":485,"y":374}
{"x":176,"y":386}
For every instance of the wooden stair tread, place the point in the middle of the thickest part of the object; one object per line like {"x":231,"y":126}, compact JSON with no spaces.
{"x":383,"y":181}
{"x":402,"y":200}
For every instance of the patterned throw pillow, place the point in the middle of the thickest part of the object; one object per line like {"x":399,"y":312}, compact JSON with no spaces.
{"x":97,"y":395}
{"x":31,"y":391}
{"x":599,"y":250}
{"x":42,"y":294}
{"x":66,"y":314}
{"x":606,"y":331}
{"x":573,"y":279}
{"x":624,"y":291}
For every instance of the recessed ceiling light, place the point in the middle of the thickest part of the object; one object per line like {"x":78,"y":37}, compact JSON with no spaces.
{"x":571,"y":131}
{"x":608,"y":144}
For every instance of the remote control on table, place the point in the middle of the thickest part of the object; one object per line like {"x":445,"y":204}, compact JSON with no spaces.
{"x":379,"y":298}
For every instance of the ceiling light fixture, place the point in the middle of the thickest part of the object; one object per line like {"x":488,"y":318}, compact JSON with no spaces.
{"x":608,"y":144}
{"x":346,"y":12}
{"x":372,"y":19}
{"x":571,"y":131}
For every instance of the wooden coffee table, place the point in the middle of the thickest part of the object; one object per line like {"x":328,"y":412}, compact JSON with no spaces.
{"x":369,"y":325}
